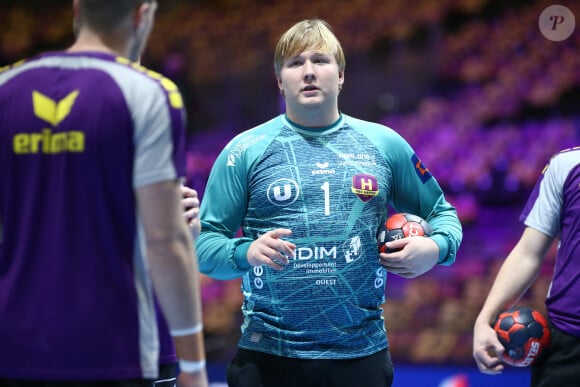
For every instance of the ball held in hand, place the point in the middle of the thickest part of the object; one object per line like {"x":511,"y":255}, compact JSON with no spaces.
{"x":525,"y":334}
{"x":401,"y":225}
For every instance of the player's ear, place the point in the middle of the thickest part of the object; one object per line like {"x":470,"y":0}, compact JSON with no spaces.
{"x":76,"y":25}
{"x":75,"y":8}
{"x":143,"y":12}
{"x":280,"y":86}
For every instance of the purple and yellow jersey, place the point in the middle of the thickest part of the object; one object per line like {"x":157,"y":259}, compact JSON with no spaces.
{"x":79,"y":133}
{"x":332,"y":187}
{"x":554,"y":209}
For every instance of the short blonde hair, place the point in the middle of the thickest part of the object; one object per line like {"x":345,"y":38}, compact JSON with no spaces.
{"x":309,"y":34}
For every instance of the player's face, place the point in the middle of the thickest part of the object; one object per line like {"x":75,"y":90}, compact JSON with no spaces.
{"x":310,"y":80}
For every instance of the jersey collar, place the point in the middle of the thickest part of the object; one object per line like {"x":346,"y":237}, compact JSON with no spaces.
{"x":314,"y":131}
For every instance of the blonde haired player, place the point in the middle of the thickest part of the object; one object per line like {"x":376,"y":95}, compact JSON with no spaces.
{"x":309,"y":188}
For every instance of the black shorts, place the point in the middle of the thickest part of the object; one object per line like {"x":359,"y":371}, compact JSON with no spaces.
{"x":257,"y":369}
{"x":167,"y":376}
{"x":559,"y":366}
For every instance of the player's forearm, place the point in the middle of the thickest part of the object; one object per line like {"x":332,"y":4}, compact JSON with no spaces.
{"x":176,"y":280}
{"x":174,"y":271}
{"x":512,"y":281}
{"x":517,"y":273}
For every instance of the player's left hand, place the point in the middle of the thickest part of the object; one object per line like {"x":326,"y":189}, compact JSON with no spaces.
{"x":190,"y":204}
{"x":414,"y":256}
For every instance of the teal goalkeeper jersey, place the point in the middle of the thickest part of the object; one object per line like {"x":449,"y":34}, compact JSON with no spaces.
{"x":332,"y":187}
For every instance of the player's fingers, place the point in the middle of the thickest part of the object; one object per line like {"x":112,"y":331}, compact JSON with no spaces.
{"x":266,"y":260}
{"x":286,"y":248}
{"x":393,"y":262}
{"x":279,"y":253}
{"x":190,"y":202}
{"x":190,"y":215}
{"x":490,"y":367}
{"x":187,"y":192}
{"x":265,"y":251}
{"x":397,"y":268}
{"x":491,"y":371}
{"x":397,"y":244}
{"x":488,"y":359}
{"x":279,"y":233}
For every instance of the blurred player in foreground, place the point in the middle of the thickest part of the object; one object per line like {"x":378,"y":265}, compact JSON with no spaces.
{"x":92,"y":151}
{"x":309,"y":189}
{"x":552,"y":211}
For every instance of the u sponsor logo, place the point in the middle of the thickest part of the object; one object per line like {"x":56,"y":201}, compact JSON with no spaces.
{"x":283,"y":192}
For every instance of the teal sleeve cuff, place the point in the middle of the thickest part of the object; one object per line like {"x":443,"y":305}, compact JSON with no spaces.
{"x":444,"y":256}
{"x":241,"y":256}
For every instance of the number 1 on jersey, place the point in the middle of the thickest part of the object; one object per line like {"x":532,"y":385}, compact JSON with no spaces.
{"x":326,"y":188}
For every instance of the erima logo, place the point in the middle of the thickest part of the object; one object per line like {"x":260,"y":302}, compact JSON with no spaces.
{"x":323,"y":169}
{"x":46,"y":141}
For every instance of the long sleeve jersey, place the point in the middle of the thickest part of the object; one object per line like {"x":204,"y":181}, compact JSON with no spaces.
{"x":332,"y":187}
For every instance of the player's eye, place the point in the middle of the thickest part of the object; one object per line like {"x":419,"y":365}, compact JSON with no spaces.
{"x":294,"y":63}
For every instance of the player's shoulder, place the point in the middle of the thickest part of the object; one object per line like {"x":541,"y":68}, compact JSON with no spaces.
{"x":360,"y":124}
{"x":569,"y":157}
{"x":12,"y":69}
{"x":379,"y":134}
{"x":569,"y":153}
{"x":258,"y":134}
{"x":147,"y":73}
{"x":152,"y":79}
{"x":370,"y":128}
{"x":4,"y":69}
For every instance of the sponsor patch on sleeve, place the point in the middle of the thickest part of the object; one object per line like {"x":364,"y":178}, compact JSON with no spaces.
{"x":420,"y":168}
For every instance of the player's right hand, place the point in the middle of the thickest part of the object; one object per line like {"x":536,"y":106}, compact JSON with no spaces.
{"x":487,"y":350}
{"x":271,"y":250}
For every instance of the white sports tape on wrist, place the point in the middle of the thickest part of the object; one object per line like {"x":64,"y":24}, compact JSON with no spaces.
{"x":191,"y":366}
{"x":187,"y":331}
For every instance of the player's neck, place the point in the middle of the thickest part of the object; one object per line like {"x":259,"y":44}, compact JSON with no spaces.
{"x":87,"y":41}
{"x":315,"y":118}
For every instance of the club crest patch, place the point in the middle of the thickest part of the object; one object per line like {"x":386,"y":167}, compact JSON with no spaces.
{"x":365,"y":187}
{"x":421,"y":170}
